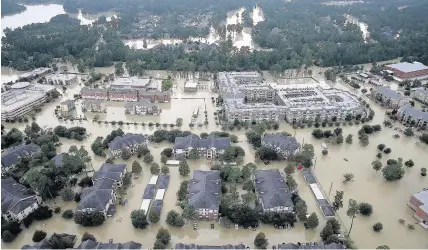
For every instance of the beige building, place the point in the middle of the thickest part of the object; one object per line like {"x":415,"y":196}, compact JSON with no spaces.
{"x":67,"y":106}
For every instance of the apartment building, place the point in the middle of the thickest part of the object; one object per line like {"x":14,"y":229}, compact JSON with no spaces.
{"x":60,"y":79}
{"x":420,"y":94}
{"x":211,"y":147}
{"x":282,"y":144}
{"x":132,"y":82}
{"x":14,"y":155}
{"x":97,"y":106}
{"x":413,"y":116}
{"x":95,"y":94}
{"x":419,"y":203}
{"x":28,"y":76}
{"x":388,"y":97}
{"x":128,"y":141}
{"x":142,"y":107}
{"x":155,"y":95}
{"x":204,"y":193}
{"x":129,"y":95}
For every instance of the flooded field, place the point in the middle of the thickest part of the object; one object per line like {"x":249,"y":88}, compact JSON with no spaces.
{"x":389,"y":200}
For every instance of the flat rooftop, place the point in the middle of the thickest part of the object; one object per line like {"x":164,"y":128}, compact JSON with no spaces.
{"x":12,"y":100}
{"x":190,"y":84}
{"x":408,"y":67}
{"x":131,"y":82}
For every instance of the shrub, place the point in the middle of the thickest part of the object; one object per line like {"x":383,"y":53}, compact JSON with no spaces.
{"x":377,"y":227}
{"x":139,"y":219}
{"x":324,"y":152}
{"x":39,"y":235}
{"x":387,"y":150}
{"x":68,"y":214}
{"x":89,"y":219}
{"x":88,"y":236}
{"x":381,"y":146}
{"x":365,"y":209}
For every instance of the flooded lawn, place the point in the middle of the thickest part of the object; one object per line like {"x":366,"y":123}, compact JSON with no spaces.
{"x":389,"y":200}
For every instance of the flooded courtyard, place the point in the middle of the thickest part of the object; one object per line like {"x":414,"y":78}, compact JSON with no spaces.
{"x":389,"y":200}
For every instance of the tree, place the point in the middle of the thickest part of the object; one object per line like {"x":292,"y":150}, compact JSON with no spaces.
{"x":377,"y":227}
{"x":148,"y":158}
{"x":381,"y":147}
{"x":248,"y":170}
{"x":7,"y":236}
{"x":349,"y":139}
{"x":291,"y":183}
{"x":39,"y":235}
{"x":139,"y":219}
{"x":365,"y":209}
{"x":326,"y":232}
{"x":339,"y":139}
{"x":289,"y":169}
{"x":154,"y":168}
{"x":163,"y":235}
{"x":88,"y":236}
{"x":166,"y":84}
{"x":408,"y":132}
{"x":165,"y":170}
{"x":182,"y":192}
{"x":352,"y":212}
{"x":174,"y":219}
{"x":261,"y":241}
{"x":423,"y":172}
{"x":348,"y":177}
{"x":233,"y":138}
{"x":136,"y":167}
{"x":393,"y":172}
{"x":60,"y":242}
{"x":324,"y":152}
{"x":377,"y":165}
{"x":167,"y":152}
{"x":312,"y":221}
{"x":127,"y":179}
{"x":194,"y":154}
{"x":189,"y":212}
{"x":68,"y":214}
{"x":89,"y":218}
{"x":387,"y":150}
{"x":159,"y":245}
{"x":409,"y":163}
{"x":248,"y":186}
{"x":67,"y":194}
{"x":164,"y":159}
{"x":248,"y":197}
{"x":338,"y":200}
{"x":183,"y":168}
{"x":383,"y":247}
{"x":364,"y":139}
{"x":154,"y":217}
{"x":302,"y":210}
{"x":142,"y":150}
{"x":126,"y":154}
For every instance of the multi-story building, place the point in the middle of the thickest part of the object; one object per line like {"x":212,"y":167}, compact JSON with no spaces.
{"x":420,"y":94}
{"x":317,"y":104}
{"x":388,"y":97}
{"x":272,"y":191}
{"x":211,"y":147}
{"x":17,"y":201}
{"x":129,"y":95}
{"x":282,"y":144}
{"x":128,"y":141}
{"x":155,"y":96}
{"x":60,"y":79}
{"x":22,"y":99}
{"x":191,"y":86}
{"x":312,"y":246}
{"x":204,"y":193}
{"x":67,"y":106}
{"x":142,"y":107}
{"x":419,"y":203}
{"x":131,"y":83}
{"x":28,"y":76}
{"x":97,"y":106}
{"x":414,"y":116}
{"x":405,"y":70}
{"x":96,"y":94}
{"x":13,"y":156}
{"x":102,"y":195}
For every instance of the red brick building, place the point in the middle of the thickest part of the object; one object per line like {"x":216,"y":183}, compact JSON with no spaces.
{"x":407,"y":70}
{"x":155,"y":96}
{"x":97,"y":94}
{"x":419,"y":203}
{"x":129,"y":95}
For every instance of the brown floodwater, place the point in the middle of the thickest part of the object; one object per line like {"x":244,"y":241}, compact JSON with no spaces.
{"x":389,"y":200}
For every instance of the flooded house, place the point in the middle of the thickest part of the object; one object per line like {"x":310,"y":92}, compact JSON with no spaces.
{"x":90,"y":244}
{"x":14,"y":155}
{"x":96,"y":106}
{"x":67,"y":106}
{"x":205,"y":192}
{"x":129,"y":95}
{"x":311,"y":246}
{"x":193,"y":246}
{"x":131,"y":82}
{"x":96,"y":94}
{"x":420,"y":94}
{"x":419,"y":203}
{"x":17,"y":201}
{"x":43,"y":244}
{"x":127,"y":141}
{"x":211,"y":147}
{"x":142,"y":107}
{"x":388,"y":97}
{"x":282,"y":144}
{"x":155,"y":95}
{"x":272,"y":191}
{"x":410,"y":115}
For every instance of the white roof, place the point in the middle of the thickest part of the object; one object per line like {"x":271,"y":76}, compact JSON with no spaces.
{"x":153,"y":179}
{"x":190,"y":84}
{"x":317,"y":191}
{"x":145,"y":205}
{"x":160,"y":194}
{"x":408,"y":67}
{"x":172,"y":162}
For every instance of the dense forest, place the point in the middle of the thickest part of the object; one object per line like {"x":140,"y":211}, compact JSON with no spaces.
{"x":298,"y":33}
{"x":9,"y":7}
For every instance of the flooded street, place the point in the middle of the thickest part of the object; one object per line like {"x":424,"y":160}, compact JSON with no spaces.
{"x":389,"y":200}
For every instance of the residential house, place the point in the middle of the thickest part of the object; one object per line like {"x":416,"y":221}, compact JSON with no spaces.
{"x":282,"y":144}
{"x":114,"y":172}
{"x":96,"y":94}
{"x":17,"y":201}
{"x":127,"y":141}
{"x":97,"y":106}
{"x":90,"y":244}
{"x":272,"y":191}
{"x":414,"y":116}
{"x":142,"y":107}
{"x":193,"y":246}
{"x":67,"y":106}
{"x":419,"y":203}
{"x":100,"y":197}
{"x":211,"y":147}
{"x":129,"y":95}
{"x":204,"y":193}
{"x":420,"y":94}
{"x":388,"y":97}
{"x":13,"y":156}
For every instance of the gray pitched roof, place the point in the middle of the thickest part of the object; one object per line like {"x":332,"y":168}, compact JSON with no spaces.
{"x":15,"y":197}
{"x":157,"y":206}
{"x":413,"y":112}
{"x":205,"y":189}
{"x":97,"y":196}
{"x":14,"y":155}
{"x":90,"y":244}
{"x":285,"y":143}
{"x":193,"y":246}
{"x":163,"y":181}
{"x":195,"y":141}
{"x":125,"y":141}
{"x":131,"y":245}
{"x":149,"y":191}
{"x":44,"y":244}
{"x":272,"y":189}
{"x":110,"y":171}
{"x":58,"y":159}
{"x":309,"y":177}
{"x":388,"y":92}
{"x":69,"y":103}
{"x":322,"y":246}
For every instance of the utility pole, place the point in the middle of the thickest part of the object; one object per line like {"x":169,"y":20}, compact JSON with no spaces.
{"x":329,"y":192}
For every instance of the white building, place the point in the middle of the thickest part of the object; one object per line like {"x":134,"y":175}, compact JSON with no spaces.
{"x":60,"y":79}
{"x":67,"y":106}
{"x":420,"y":94}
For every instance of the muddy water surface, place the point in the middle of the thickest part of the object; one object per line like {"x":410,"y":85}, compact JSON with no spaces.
{"x":388,"y":199}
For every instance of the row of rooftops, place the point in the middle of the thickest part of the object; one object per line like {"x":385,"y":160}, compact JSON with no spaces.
{"x":135,"y":91}
{"x":279,"y":246}
{"x":126,"y":141}
{"x":14,"y":155}
{"x":194,"y":141}
{"x":87,"y":244}
{"x":415,"y":113}
{"x":15,"y":197}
